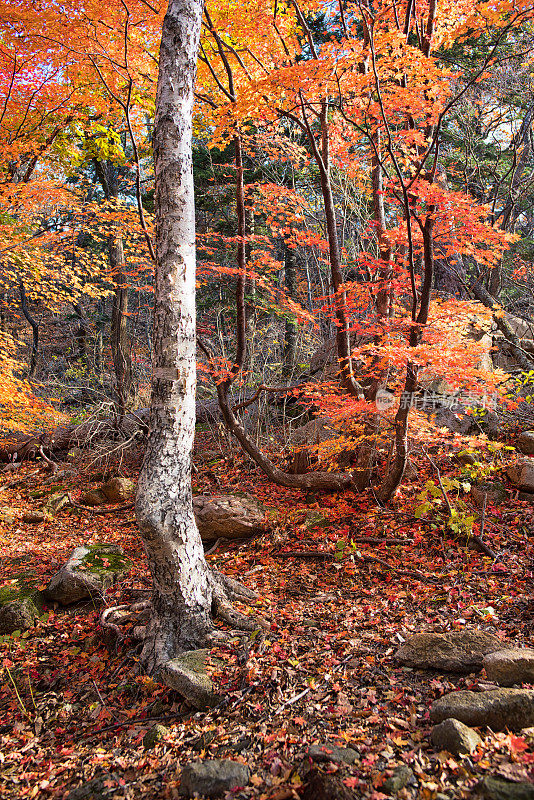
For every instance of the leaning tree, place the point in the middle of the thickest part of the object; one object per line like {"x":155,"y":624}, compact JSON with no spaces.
{"x":187,"y":595}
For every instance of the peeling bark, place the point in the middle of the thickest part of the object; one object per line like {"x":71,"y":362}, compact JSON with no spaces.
{"x":185,"y":592}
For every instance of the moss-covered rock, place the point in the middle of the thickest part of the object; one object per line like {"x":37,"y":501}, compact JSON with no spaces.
{"x":89,"y":572}
{"x":187,"y":675}
{"x":20,"y":605}
{"x":154,"y":735}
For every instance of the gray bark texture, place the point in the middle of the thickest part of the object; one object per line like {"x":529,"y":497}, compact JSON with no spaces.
{"x":182,"y":586}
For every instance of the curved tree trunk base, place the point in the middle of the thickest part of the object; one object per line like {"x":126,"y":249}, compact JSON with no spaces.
{"x":146,"y":623}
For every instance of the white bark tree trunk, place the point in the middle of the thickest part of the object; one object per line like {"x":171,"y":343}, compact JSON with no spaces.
{"x":182,"y":584}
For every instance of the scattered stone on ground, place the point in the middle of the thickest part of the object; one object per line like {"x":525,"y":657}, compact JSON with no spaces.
{"x":498,"y":709}
{"x":100,"y":788}
{"x":501,"y":789}
{"x":118,"y":490}
{"x":521,"y":472}
{"x":154,"y":735}
{"x":18,"y":615}
{"x":89,"y":572}
{"x":458,"y":651}
{"x":506,"y":667}
{"x":94,"y":497}
{"x":34,"y":517}
{"x":331,"y":752}
{"x":187,"y":675}
{"x":454,"y":736}
{"x":8,"y":515}
{"x":525,"y":443}
{"x":494,"y":492}
{"x":212,"y":778}
{"x":402,"y":776}
{"x":228,"y":516}
{"x":322,"y":786}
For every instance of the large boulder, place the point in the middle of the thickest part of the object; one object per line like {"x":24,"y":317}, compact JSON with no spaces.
{"x":457,"y":651}
{"x":521,"y":472}
{"x":213,"y":778}
{"x":507,"y":667}
{"x":89,"y":572}
{"x":228,"y":516}
{"x":498,"y":709}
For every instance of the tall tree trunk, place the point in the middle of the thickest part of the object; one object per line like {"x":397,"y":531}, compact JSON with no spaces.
{"x":120,"y":344}
{"x":35,"y":330}
{"x":291,"y":328}
{"x":185,"y":592}
{"x":181,"y":588}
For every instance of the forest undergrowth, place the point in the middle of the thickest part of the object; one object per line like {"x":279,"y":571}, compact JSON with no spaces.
{"x":72,"y":710}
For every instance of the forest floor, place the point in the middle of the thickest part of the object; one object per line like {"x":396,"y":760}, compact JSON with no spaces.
{"x":325,"y":672}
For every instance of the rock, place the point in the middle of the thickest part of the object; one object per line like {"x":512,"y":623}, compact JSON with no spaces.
{"x":187,"y":675}
{"x":321,"y":786}
{"x":212,"y":778}
{"x":94,"y":497}
{"x":527,"y":497}
{"x":525,"y":443}
{"x":498,"y":708}
{"x":401,"y":777}
{"x":34,"y":517}
{"x":89,"y":572}
{"x":466,"y":458}
{"x":154,"y":735}
{"x":507,"y":667}
{"x":7,"y":515}
{"x":99,"y":788}
{"x":494,"y":492}
{"x":118,"y":490}
{"x":521,"y":472}
{"x":455,"y":737}
{"x":457,"y":651}
{"x":331,"y":752}
{"x":56,"y":502}
{"x":18,"y":615}
{"x":501,"y":789}
{"x":228,"y":516}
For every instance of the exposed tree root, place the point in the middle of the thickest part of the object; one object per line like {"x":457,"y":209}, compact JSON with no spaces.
{"x":115,"y":620}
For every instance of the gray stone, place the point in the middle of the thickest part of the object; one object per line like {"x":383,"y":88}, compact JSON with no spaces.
{"x":89,"y":572}
{"x":457,"y":651}
{"x":187,"y":675}
{"x":154,"y":735}
{"x":228,"y":516}
{"x":118,"y":490}
{"x":99,"y":788}
{"x":455,"y":737}
{"x":506,"y":667}
{"x":401,"y":777}
{"x":501,"y":789}
{"x":525,"y":443}
{"x":56,"y":502}
{"x":331,"y":752}
{"x":34,"y":517}
{"x":212,"y":778}
{"x":498,"y":708}
{"x":521,"y":472}
{"x":94,"y":497}
{"x":18,"y":615}
{"x":494,"y":493}
{"x":7,"y":515}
